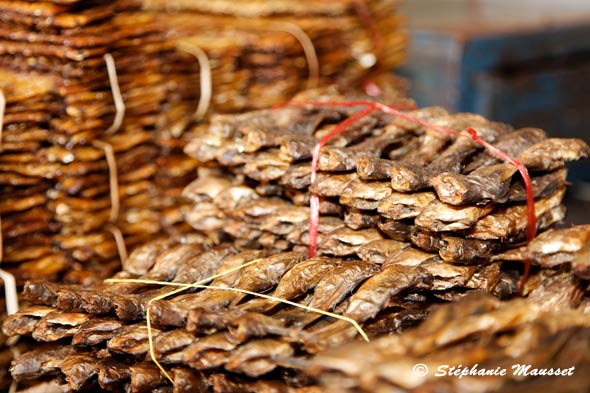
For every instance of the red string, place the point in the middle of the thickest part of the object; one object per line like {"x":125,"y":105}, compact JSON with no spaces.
{"x":371,"y":88}
{"x":393,"y":110}
{"x":530,"y":202}
{"x":314,"y":214}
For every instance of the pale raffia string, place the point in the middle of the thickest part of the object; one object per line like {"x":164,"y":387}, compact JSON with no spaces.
{"x":113,"y":177}
{"x":117,"y":97}
{"x":205,"y":81}
{"x":111,"y":159}
{"x":119,"y":240}
{"x":200,"y":285}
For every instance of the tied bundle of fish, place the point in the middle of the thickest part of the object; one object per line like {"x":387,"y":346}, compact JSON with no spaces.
{"x":262,"y":53}
{"x":382,"y":177}
{"x":56,"y":176}
{"x":210,"y":338}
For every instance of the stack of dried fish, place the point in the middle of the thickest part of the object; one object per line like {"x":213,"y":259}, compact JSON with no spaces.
{"x":73,"y":161}
{"x":382,"y":177}
{"x":232,"y":341}
{"x":263,"y":52}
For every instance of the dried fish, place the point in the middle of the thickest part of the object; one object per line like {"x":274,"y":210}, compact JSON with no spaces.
{"x":266,"y":273}
{"x":39,"y":362}
{"x":346,"y":241}
{"x":399,"y":206}
{"x":364,"y":195}
{"x":556,"y":247}
{"x":339,"y":282}
{"x":255,"y":358}
{"x":439,"y":217}
{"x":374,"y":294}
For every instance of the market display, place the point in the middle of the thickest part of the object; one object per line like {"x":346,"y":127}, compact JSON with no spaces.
{"x":238,"y":196}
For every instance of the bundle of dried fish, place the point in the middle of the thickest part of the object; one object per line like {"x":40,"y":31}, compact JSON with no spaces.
{"x":382,"y":177}
{"x":477,"y":343}
{"x":79,"y":167}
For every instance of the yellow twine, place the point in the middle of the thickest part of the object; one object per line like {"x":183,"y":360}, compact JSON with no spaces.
{"x":200,"y":285}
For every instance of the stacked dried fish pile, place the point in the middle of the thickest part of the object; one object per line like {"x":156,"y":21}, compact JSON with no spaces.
{"x":217,"y":337}
{"x":261,"y":53}
{"x":72,"y":159}
{"x":382,"y":177}
{"x":214,"y":338}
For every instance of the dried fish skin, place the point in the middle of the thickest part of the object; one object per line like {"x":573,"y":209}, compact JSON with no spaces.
{"x":543,"y":186}
{"x":255,"y":358}
{"x":304,"y":276}
{"x":396,"y":230}
{"x":338,"y":283}
{"x":374,"y":294}
{"x":216,"y":341}
{"x":556,"y":247}
{"x":346,"y":241}
{"x":482,"y":186}
{"x":552,"y":153}
{"x":95,"y":331}
{"x":567,"y":240}
{"x":446,"y":337}
{"x":373,"y":168}
{"x":24,"y":321}
{"x":380,"y":251}
{"x":57,"y":325}
{"x":131,"y":340}
{"x":145,"y":376}
{"x":399,"y":206}
{"x":408,"y":256}
{"x":364,"y":195}
{"x":460,"y":250}
{"x":359,"y":219}
{"x":511,"y":221}
{"x":141,"y":260}
{"x":39,"y":362}
{"x":513,"y":144}
{"x":79,"y":369}
{"x":267,"y":272}
{"x":440,"y":217}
